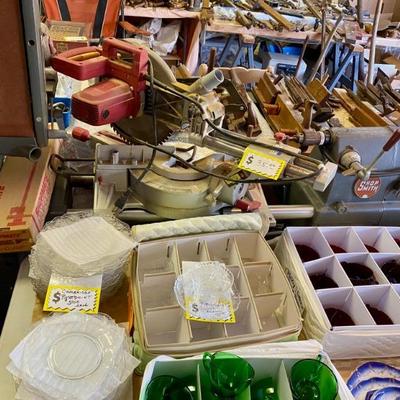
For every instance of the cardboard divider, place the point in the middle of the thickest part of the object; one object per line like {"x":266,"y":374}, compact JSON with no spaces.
{"x":246,"y":320}
{"x":395,"y":234}
{"x":241,"y":285}
{"x":329,"y":267}
{"x":343,"y":237}
{"x":223,"y":249}
{"x":347,"y":300}
{"x":368,"y":261}
{"x":266,"y":305}
{"x":384,"y":298}
{"x":206,"y":330}
{"x":379,"y":238}
{"x":157,"y":258}
{"x":158,"y":291}
{"x":313,"y":238}
{"x":192,"y":249}
{"x":259,"y":277}
{"x":284,"y":390}
{"x":251,"y":248}
{"x":166,"y":325}
{"x":382,"y":259}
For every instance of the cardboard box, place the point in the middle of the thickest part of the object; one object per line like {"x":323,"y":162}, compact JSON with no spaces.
{"x":25,"y":193}
{"x":366,"y":338}
{"x":68,"y":35}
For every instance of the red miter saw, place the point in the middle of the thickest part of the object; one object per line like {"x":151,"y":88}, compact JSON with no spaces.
{"x":118,"y":95}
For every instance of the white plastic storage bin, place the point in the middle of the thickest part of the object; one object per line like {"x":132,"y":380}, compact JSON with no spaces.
{"x":268,"y":360}
{"x":372,"y":247}
{"x":267,"y":310}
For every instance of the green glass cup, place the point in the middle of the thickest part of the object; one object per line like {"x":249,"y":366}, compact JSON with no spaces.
{"x":167,"y":387}
{"x":264,"y":390}
{"x":313,"y":380}
{"x":229,"y":374}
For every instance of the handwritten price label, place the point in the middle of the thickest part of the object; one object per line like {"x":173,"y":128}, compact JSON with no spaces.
{"x":221,"y":312}
{"x":81,"y":294}
{"x":262,"y":164}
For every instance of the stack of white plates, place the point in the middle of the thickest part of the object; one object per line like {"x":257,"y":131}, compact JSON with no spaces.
{"x":80,"y":245}
{"x":73,"y":357}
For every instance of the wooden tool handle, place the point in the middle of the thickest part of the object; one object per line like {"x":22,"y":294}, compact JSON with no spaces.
{"x":392,"y":140}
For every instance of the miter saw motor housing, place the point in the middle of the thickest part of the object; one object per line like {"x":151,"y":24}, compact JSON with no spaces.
{"x":119,"y":94}
{"x":350,"y":200}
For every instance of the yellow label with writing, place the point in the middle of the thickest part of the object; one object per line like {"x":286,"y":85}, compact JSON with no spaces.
{"x":262,"y":164}
{"x":64,"y":298}
{"x":221,"y":312}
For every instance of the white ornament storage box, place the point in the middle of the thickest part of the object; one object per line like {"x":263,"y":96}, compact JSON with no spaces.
{"x":365,"y":338}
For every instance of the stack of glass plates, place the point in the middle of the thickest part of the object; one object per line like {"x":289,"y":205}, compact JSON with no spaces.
{"x":73,"y":357}
{"x":79,"y":245}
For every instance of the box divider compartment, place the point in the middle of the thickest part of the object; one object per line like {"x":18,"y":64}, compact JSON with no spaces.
{"x":240,"y":280}
{"x":330,"y":267}
{"x":259,"y":276}
{"x":193,"y":249}
{"x":384,"y":298}
{"x":283,"y":386}
{"x":266,"y":307}
{"x":157,"y":290}
{"x":366,"y":260}
{"x":379,"y":238}
{"x":166,"y":325}
{"x":223,"y":249}
{"x":155,"y":258}
{"x":347,"y":300}
{"x":381,"y":259}
{"x":251,"y":248}
{"x":247,"y":322}
{"x":313,"y":238}
{"x":344,"y":237}
{"x":395,"y":234}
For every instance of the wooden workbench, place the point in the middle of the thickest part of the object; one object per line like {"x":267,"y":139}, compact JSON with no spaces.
{"x":233,"y":27}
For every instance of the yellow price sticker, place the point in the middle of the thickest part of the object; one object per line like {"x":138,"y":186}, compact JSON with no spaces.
{"x":221,"y":312}
{"x":262,"y":164}
{"x":64,"y":298}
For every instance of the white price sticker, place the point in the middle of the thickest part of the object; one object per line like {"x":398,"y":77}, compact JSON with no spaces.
{"x":262,"y":164}
{"x":210,"y":312}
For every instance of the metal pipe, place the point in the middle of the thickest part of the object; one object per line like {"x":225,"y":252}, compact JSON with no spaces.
{"x":371,"y":61}
{"x":291,"y":211}
{"x":326,"y":48}
{"x":323,"y":38}
{"x":360,"y":12}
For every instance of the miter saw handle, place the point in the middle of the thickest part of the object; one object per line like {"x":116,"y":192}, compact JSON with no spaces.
{"x":115,"y":59}
{"x":82,"y":63}
{"x":392,"y":140}
{"x":126,"y":62}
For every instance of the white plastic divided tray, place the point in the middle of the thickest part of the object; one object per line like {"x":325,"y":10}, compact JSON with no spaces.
{"x":366,"y":338}
{"x":260,"y":279}
{"x":268,"y":360}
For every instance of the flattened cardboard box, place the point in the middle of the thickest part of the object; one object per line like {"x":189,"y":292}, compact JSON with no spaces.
{"x":25,"y":193}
